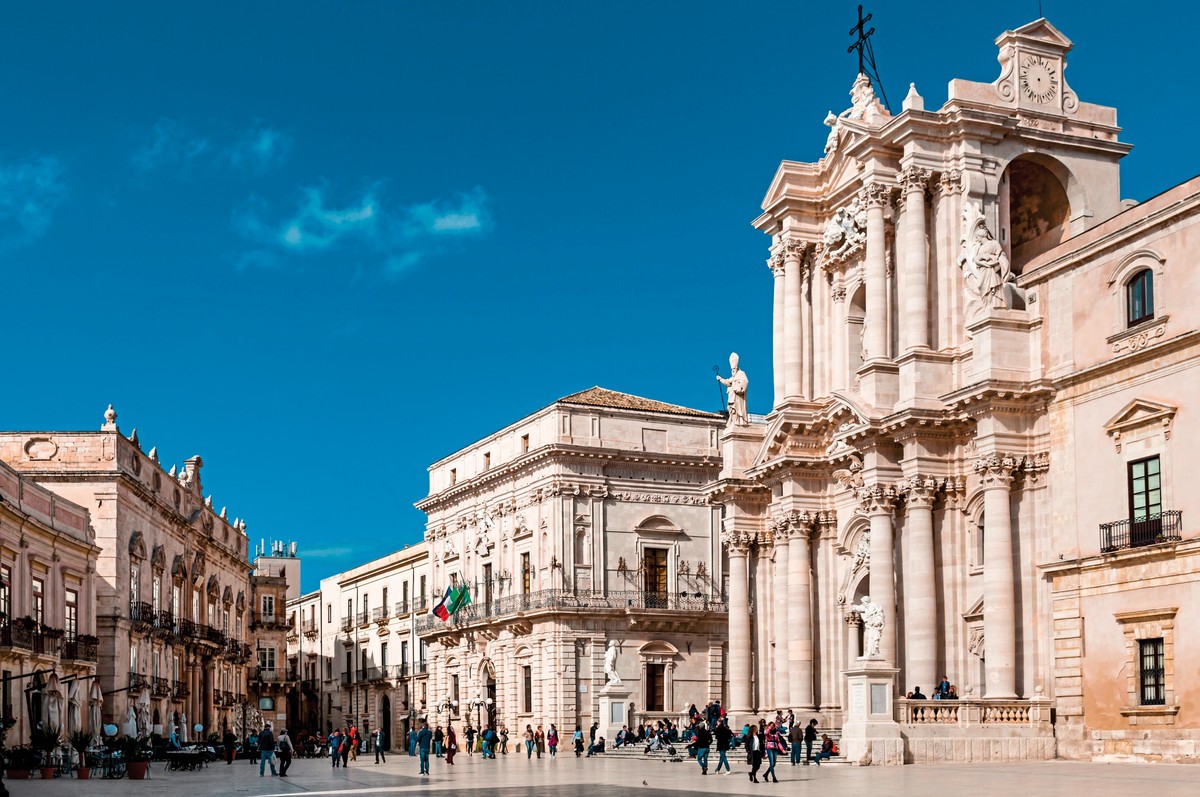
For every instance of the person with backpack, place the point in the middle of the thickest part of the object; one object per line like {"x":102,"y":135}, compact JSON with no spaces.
{"x":469,"y":733}
{"x":284,"y":748}
{"x":266,"y":751}
{"x":828,"y":749}
{"x":702,"y":743}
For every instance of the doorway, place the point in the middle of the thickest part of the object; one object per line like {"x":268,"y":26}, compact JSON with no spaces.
{"x":385,"y":721}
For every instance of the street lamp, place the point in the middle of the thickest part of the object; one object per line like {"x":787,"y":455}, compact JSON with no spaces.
{"x":479,"y":703}
{"x":445,"y":707}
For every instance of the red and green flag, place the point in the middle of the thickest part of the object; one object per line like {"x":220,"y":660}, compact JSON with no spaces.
{"x":455,"y":598}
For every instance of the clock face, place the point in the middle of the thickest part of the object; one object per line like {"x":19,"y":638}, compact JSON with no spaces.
{"x":1039,"y":81}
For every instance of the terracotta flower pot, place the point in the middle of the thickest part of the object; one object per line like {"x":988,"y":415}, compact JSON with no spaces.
{"x":83,"y":773}
{"x":47,"y":773}
{"x":136,"y":770}
{"x":17,"y":774}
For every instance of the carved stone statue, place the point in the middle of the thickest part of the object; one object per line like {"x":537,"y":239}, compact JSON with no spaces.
{"x":610,"y":665}
{"x":737,"y":383}
{"x":872,"y":619}
{"x":990,"y":283}
{"x":486,"y":526}
{"x":845,"y":231}
{"x":831,"y":141}
{"x":864,"y":104}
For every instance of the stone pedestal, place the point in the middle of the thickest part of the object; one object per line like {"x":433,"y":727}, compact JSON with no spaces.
{"x":614,"y":711}
{"x":1003,"y":346}
{"x":739,"y":447}
{"x":870,"y":734}
{"x":879,"y":382}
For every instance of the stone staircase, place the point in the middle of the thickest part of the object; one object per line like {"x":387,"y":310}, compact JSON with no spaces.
{"x":737,"y":758}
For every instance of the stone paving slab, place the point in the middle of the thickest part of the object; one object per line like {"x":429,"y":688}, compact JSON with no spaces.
{"x":568,"y":776}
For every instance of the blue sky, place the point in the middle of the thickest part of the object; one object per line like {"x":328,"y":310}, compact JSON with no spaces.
{"x":326,"y":244}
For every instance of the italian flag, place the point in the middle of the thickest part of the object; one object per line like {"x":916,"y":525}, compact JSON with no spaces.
{"x":454,"y":599}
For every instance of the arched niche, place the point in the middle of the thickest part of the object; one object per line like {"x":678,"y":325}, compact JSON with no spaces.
{"x":1041,"y":205}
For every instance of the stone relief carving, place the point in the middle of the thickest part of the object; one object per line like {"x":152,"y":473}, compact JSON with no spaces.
{"x":486,"y":527}
{"x":659,"y":498}
{"x":865,"y":106}
{"x":845,"y":233}
{"x":987,"y":275}
{"x":737,"y":383}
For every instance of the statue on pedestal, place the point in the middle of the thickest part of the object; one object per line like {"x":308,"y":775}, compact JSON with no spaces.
{"x":737,"y":383}
{"x":990,"y":282}
{"x":872,"y":620}
{"x":610,"y":665}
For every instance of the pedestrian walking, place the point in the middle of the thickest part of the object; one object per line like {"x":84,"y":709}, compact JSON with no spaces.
{"x":539,"y":741}
{"x":702,"y":743}
{"x":230,"y":742}
{"x":503,"y":740}
{"x":552,"y":740}
{"x":439,"y":741}
{"x":754,"y":751}
{"x":577,"y":741}
{"x":344,"y":748}
{"x":774,"y":744}
{"x":723,"y":736}
{"x":379,"y":742}
{"x":529,"y":739}
{"x":424,"y":740}
{"x":335,"y":749}
{"x":266,"y":750}
{"x":469,"y":733}
{"x":451,"y":744}
{"x":355,"y":739}
{"x":285,"y":748}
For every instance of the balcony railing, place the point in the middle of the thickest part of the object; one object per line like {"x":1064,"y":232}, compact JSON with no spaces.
{"x":276,"y":675}
{"x":137,"y":681}
{"x":15,"y":635}
{"x":402,"y":608}
{"x":311,"y":685}
{"x":973,"y":711}
{"x":380,"y":615}
{"x":347,"y":623}
{"x":421,"y":604}
{"x":347,"y":678}
{"x":310,"y":627}
{"x":1154,"y":529}
{"x":270,"y":620}
{"x":364,"y":618}
{"x":78,"y":649}
{"x":373,"y":674}
{"x":142,"y":612}
{"x":422,"y":667}
{"x":47,"y":644}
{"x":179,"y":690}
{"x":564,"y":600}
{"x":399,"y":670}
{"x":213,"y":635}
{"x":160,"y":687}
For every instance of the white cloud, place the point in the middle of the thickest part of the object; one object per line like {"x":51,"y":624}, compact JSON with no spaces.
{"x":400,"y":237}
{"x":30,"y":190}
{"x":173,"y":144}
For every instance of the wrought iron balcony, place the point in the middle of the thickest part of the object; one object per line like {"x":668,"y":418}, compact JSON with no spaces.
{"x":311,"y":685}
{"x":310,"y":627}
{"x":1152,"y":530}
{"x":380,"y":615}
{"x":269,"y":620}
{"x":399,"y":670}
{"x":142,"y":613}
{"x":422,"y":667}
{"x":81,"y":648}
{"x":402,"y":608}
{"x":364,"y":618}
{"x":179,"y":690}
{"x":47,"y":641}
{"x":347,"y":678}
{"x":160,"y":687}
{"x":373,"y":674}
{"x":137,"y":681}
{"x":347,"y":623}
{"x":16,"y":635}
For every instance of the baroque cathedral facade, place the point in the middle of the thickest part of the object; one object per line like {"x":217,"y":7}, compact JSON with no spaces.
{"x":978,"y":377}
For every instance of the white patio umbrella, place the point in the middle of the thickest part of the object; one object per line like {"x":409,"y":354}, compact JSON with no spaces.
{"x":130,"y":726}
{"x":74,"y":703}
{"x":52,"y":705}
{"x":96,"y":709}
{"x":183,"y":728}
{"x":143,"y":712}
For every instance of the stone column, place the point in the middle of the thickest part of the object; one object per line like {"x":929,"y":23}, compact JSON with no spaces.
{"x":854,"y":621}
{"x":800,"y":619}
{"x":780,"y":588}
{"x":793,"y":261}
{"x":999,"y":588}
{"x":920,"y":596}
{"x":876,"y":195}
{"x":806,"y":333}
{"x":779,"y":331}
{"x":916,"y":261}
{"x":878,"y":503}
{"x":737,"y":543}
{"x":764,"y":626}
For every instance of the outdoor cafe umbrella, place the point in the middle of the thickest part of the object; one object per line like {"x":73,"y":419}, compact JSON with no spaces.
{"x":74,"y":700}
{"x":130,"y":726}
{"x":95,"y":709}
{"x":52,"y":706}
{"x":183,"y":729}
{"x":143,"y":712}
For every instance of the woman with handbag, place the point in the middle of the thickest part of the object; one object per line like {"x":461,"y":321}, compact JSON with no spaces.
{"x":754,"y":751}
{"x":451,"y":744}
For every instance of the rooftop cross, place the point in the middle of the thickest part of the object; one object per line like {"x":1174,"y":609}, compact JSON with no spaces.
{"x":866,"y":53}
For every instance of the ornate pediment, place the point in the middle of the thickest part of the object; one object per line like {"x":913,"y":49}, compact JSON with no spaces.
{"x":1140,"y":415}
{"x":657,"y":524}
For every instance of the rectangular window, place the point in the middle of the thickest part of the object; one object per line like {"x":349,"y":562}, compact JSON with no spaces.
{"x":453,"y":476}
{"x":6,"y":592}
{"x":175,"y":601}
{"x":454,"y":688}
{"x":71,"y":613}
{"x":403,"y":653}
{"x":383,"y":655}
{"x":39,"y":601}
{"x":135,"y":584}
{"x":349,"y":610}
{"x":383,"y":601}
{"x":349,"y":665}
{"x":526,"y":574}
{"x":654,"y":561}
{"x":1151,"y":672}
{"x":268,"y":607}
{"x":1145,"y":501}
{"x":133,"y":658}
{"x":487,"y":583}
{"x":404,"y":594}
{"x":524,"y":444}
{"x":155,"y":596}
{"x":527,"y":689}
{"x":487,"y":460}
{"x":423,"y":650}
{"x":195,"y":606}
{"x":329,"y":612}
{"x":422,"y":596}
{"x":266,"y":658}
{"x":655,"y":677}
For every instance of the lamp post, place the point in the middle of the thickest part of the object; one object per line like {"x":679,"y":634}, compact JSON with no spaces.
{"x":479,"y":703}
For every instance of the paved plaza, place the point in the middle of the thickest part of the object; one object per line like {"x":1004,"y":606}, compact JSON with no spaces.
{"x":567,"y":776}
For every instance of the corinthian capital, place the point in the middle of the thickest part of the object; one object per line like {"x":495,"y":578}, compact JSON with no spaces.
{"x":951,"y":181}
{"x":876,"y":195}
{"x":919,"y":491}
{"x":996,"y":470}
{"x":737,"y":542}
{"x":877,"y":499}
{"x":914,"y":178}
{"x":800,"y":523}
{"x":775,"y":263}
{"x":793,"y":248}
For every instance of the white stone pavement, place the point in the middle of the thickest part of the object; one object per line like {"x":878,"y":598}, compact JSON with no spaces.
{"x":602,"y":777}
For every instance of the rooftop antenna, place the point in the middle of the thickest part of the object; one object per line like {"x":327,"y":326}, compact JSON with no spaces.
{"x":866,"y":54}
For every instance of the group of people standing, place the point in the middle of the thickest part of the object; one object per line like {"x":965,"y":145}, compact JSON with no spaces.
{"x":764,"y":740}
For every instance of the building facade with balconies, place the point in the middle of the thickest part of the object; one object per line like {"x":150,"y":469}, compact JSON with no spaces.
{"x":582,"y":526}
{"x":48,"y":637}
{"x":975,"y":464}
{"x":172,"y":577}
{"x":274,"y":678}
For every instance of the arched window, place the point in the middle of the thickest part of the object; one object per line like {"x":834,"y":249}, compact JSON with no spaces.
{"x":1139,"y":297}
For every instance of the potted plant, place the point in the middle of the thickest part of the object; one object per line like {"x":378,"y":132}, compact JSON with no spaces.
{"x":135,"y":751}
{"x":80,"y":742}
{"x":45,"y":738}
{"x":20,"y":761}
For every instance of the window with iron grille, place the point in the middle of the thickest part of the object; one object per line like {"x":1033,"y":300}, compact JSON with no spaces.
{"x":1152,"y":672}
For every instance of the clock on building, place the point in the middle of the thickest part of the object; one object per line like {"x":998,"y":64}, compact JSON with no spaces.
{"x":1039,"y":80}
